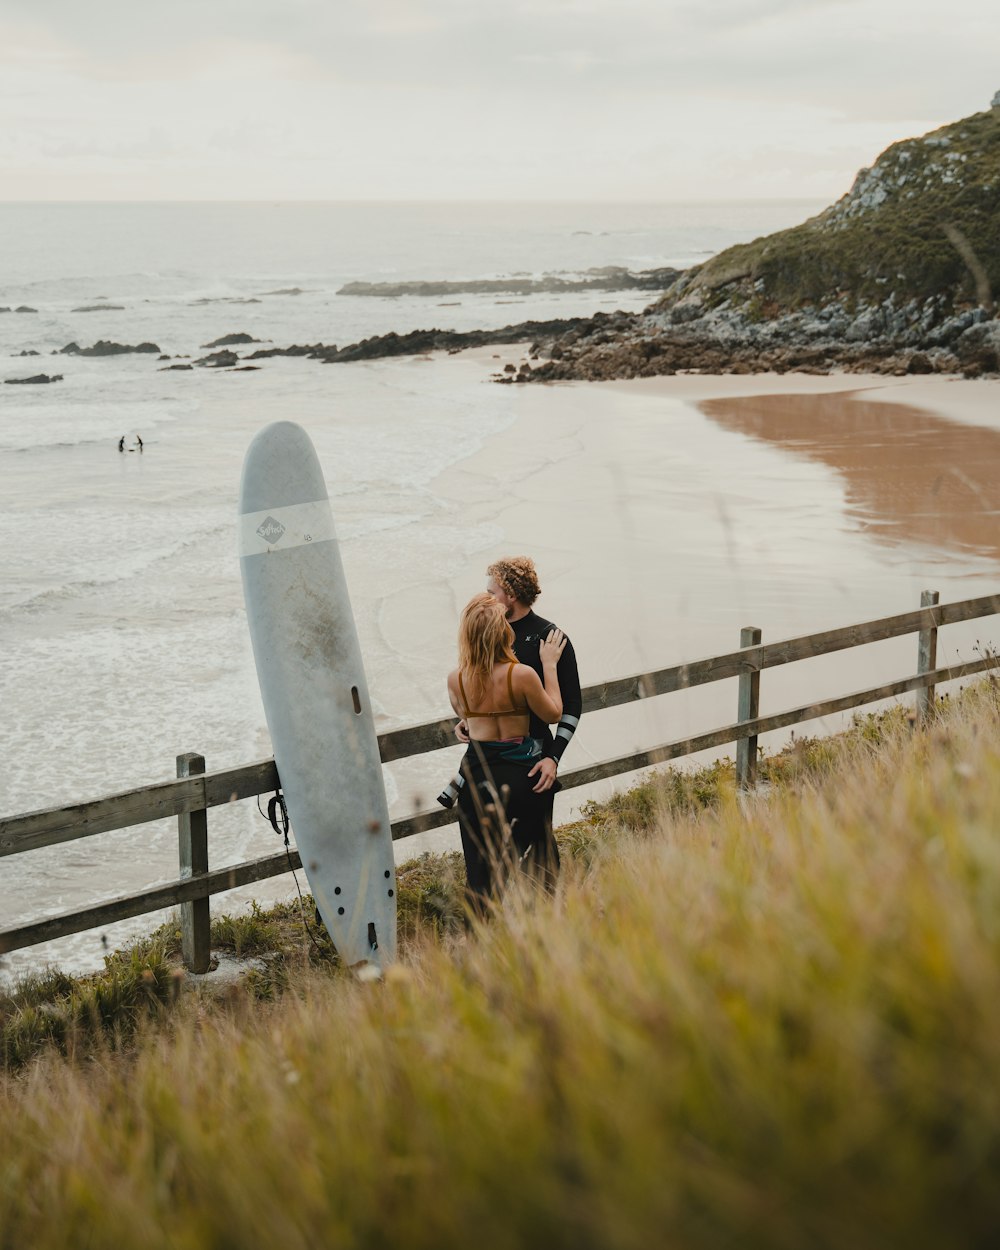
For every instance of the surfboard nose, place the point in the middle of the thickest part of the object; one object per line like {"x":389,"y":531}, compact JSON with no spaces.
{"x":281,"y":468}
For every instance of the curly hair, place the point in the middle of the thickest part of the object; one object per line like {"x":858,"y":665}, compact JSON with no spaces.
{"x":517,"y":577}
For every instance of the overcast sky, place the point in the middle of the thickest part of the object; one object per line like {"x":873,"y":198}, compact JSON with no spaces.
{"x":464,"y":99}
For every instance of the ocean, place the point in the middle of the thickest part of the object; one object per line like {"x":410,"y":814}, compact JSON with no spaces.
{"x":122,"y":636}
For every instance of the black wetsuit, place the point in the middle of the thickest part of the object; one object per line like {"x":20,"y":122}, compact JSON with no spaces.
{"x":534,"y":840}
{"x":529,"y":633}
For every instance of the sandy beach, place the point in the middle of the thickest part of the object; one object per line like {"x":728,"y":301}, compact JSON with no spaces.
{"x":665,"y":514}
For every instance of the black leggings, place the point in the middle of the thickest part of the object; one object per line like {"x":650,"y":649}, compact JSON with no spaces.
{"x":504,"y":824}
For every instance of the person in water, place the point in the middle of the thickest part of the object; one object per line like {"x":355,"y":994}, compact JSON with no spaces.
{"x":503,"y":820}
{"x":513,"y":581}
{"x":138,"y":442}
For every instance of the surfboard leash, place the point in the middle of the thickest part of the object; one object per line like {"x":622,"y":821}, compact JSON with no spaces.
{"x":277,"y":814}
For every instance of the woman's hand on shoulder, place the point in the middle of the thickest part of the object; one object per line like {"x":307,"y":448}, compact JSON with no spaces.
{"x":552,"y":647}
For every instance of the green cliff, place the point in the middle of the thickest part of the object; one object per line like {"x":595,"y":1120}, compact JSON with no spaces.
{"x":922,"y":223}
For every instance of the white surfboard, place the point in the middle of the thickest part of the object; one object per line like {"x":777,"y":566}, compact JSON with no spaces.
{"x":315,"y":696}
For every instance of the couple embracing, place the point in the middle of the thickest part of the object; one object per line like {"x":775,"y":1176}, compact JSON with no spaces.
{"x":516,"y":677}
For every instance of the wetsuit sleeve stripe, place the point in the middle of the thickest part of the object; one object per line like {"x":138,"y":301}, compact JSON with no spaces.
{"x":569,"y":688}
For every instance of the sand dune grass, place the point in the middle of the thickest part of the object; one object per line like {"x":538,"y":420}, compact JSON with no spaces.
{"x":770,"y":1023}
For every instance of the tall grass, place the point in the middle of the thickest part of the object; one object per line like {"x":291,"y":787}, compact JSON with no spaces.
{"x":768,"y":1023}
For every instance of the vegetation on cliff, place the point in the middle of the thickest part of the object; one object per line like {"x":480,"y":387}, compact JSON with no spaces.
{"x":923,"y":222}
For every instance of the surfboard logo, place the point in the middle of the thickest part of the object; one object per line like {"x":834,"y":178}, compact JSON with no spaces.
{"x":270,"y":530}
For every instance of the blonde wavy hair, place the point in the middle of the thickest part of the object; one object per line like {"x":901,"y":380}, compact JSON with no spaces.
{"x":485,"y":639}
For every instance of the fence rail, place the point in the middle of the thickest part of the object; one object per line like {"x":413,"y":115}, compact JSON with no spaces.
{"x":194,"y":792}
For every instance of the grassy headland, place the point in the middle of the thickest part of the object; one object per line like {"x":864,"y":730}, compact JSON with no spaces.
{"x":899,"y":276}
{"x":889,"y":234}
{"x":772,"y":1022}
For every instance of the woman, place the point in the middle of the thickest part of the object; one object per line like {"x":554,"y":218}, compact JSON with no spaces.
{"x":500,"y":816}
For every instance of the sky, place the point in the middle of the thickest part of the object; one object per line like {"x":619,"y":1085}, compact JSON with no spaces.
{"x":469,"y":99}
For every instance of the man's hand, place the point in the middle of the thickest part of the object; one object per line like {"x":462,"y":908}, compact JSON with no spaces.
{"x":462,"y":731}
{"x":546,"y":770}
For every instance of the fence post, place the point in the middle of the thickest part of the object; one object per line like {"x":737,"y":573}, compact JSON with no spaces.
{"x":926,"y":658}
{"x":192,"y":845}
{"x":748,"y":708}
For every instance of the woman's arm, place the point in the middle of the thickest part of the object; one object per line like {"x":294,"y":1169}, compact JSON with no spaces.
{"x":453,"y":694}
{"x":543,"y":697}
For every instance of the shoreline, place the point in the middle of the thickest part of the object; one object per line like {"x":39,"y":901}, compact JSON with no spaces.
{"x":658,"y":534}
{"x":593,"y":433}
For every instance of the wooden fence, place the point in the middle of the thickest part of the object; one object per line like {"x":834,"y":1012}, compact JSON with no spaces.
{"x":194,"y":791}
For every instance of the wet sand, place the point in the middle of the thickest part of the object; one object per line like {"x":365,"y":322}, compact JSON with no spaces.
{"x":665,"y":514}
{"x":910,"y":476}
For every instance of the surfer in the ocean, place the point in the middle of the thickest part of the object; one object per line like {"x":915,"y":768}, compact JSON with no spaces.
{"x":502,"y":814}
{"x":513,"y":581}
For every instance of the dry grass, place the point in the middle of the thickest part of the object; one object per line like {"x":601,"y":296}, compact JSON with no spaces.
{"x":772,"y":1023}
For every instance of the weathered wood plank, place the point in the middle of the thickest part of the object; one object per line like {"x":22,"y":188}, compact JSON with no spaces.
{"x":772,"y":654}
{"x":229,"y":785}
{"x":51,"y":826}
{"x":416,"y":740}
{"x":161,"y":896}
{"x":412,"y":741}
{"x":113,"y":811}
{"x":192,"y":854}
{"x":926,"y":659}
{"x":222,"y":879}
{"x":420,"y":822}
{"x":748,"y":708}
{"x":763,"y":724}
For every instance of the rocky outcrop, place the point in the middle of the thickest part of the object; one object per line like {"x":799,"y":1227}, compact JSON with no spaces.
{"x":223,"y":299}
{"x":874,"y":340}
{"x":39,"y":379}
{"x":230,"y":340}
{"x":420,"y":342}
{"x":316,"y":351}
{"x":898,"y":276}
{"x":99,"y":308}
{"x":608,"y":278}
{"x":104,"y":348}
{"x":219,"y":360}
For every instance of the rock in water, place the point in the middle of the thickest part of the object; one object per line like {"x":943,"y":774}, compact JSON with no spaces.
{"x":230,"y":340}
{"x":900,"y":275}
{"x":103,"y":348}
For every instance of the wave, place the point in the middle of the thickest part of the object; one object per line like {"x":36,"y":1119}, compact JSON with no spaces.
{"x":129,"y":563}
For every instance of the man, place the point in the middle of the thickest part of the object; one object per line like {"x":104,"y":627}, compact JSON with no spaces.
{"x":514,"y":582}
